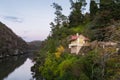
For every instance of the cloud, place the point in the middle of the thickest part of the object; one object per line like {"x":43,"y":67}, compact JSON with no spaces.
{"x":13,"y":19}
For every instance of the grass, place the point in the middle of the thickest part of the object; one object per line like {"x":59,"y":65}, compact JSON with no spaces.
{"x":81,"y":28}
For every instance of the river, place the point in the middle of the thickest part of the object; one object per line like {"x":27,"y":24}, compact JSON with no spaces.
{"x":16,"y":68}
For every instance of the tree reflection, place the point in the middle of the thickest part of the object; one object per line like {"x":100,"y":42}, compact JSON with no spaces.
{"x":8,"y":65}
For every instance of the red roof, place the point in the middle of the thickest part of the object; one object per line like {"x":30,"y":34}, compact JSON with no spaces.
{"x":74,"y":37}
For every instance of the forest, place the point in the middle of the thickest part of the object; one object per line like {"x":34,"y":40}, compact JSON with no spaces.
{"x":102,"y":23}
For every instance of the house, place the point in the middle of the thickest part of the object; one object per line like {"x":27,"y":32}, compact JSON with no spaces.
{"x":77,"y":42}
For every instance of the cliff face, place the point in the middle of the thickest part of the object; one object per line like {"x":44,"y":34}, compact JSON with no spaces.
{"x":10,"y":43}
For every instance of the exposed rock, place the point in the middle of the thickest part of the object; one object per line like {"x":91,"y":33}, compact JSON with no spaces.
{"x":10,"y":43}
{"x":101,"y":47}
{"x":108,"y":33}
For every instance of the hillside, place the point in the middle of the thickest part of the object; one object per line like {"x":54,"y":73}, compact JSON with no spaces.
{"x":34,"y":45}
{"x":101,"y":59}
{"x":10,"y":43}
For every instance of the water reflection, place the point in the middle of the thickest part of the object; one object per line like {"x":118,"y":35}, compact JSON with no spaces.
{"x":16,"y":68}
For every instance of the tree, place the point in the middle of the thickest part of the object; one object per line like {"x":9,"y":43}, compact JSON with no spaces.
{"x":76,"y":17}
{"x":60,"y":18}
{"x":93,"y":9}
{"x":60,"y":22}
{"x":58,"y":13}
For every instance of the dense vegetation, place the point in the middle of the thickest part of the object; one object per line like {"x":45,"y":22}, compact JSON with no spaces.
{"x":54,"y":62}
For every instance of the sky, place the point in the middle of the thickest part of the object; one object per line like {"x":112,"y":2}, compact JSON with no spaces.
{"x":30,"y":19}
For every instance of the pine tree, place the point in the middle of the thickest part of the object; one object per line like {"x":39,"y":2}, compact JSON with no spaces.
{"x":93,"y":9}
{"x":76,"y":16}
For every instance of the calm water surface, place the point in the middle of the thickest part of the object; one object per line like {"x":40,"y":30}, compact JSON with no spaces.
{"x":17,"y":68}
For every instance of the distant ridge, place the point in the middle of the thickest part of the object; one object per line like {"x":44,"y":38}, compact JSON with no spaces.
{"x":34,"y":45}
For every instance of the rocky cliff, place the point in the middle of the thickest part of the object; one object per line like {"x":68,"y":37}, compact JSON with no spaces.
{"x":10,"y":43}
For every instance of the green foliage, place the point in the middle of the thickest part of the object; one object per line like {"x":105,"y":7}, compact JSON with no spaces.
{"x":58,"y":64}
{"x":61,"y":33}
{"x":93,"y":9}
{"x":92,"y":66}
{"x":58,"y":13}
{"x":79,"y":29}
{"x":106,"y":15}
{"x":76,"y":17}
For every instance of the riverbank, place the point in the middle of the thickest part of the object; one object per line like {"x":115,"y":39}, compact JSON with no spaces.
{"x":7,"y":56}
